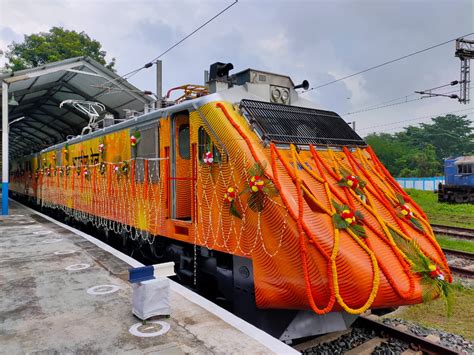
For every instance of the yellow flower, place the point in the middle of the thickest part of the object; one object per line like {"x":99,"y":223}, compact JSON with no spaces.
{"x":254,"y":188}
{"x":432,"y":267}
{"x":346,"y":211}
{"x":259,"y":183}
{"x":252,"y":179}
{"x":350,"y":182}
{"x":349,"y":220}
{"x":230,"y":189}
{"x":404,"y":212}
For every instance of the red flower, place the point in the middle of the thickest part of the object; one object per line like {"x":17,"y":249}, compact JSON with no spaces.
{"x":348,"y":216}
{"x":352,"y":181}
{"x":133,"y":140}
{"x":406,"y":211}
{"x":230,"y":194}
{"x":256,"y":183}
{"x":435,"y":272}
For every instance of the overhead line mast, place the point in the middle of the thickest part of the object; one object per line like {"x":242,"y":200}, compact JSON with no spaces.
{"x":465,"y":52}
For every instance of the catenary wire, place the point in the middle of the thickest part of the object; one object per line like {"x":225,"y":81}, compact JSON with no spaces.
{"x":150,"y":63}
{"x":387,"y":62}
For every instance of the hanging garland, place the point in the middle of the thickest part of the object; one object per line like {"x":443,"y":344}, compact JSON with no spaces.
{"x":259,"y":187}
{"x":86,"y":173}
{"x":353,"y":182}
{"x":68,"y":170}
{"x":433,"y":282}
{"x":78,"y":170}
{"x":404,"y":212}
{"x":229,"y":197}
{"x":345,"y":218}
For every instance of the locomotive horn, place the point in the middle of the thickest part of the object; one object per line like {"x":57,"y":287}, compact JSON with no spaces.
{"x":303,"y":85}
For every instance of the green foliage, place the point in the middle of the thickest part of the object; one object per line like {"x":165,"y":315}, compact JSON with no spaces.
{"x":431,"y":287}
{"x":419,"y":151}
{"x":57,"y":44}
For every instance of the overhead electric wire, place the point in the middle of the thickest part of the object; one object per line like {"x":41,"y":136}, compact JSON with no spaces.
{"x":418,"y":118}
{"x":150,"y":63}
{"x":388,"y":104}
{"x":387,"y":62}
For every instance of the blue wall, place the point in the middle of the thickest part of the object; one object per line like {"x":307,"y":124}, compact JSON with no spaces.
{"x":421,"y":183}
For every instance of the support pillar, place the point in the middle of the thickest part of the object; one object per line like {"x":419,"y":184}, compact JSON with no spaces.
{"x":4,"y":148}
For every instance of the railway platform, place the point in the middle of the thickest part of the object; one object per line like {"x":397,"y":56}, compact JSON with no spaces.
{"x":63,"y":291}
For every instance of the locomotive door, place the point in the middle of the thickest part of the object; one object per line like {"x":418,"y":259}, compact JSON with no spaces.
{"x":181,"y":168}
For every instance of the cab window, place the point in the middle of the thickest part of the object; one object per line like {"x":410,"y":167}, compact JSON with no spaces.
{"x":205,"y":145}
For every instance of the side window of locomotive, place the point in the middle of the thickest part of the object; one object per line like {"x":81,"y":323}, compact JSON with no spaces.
{"x":148,"y":149}
{"x":205,"y":145}
{"x":183,"y":141}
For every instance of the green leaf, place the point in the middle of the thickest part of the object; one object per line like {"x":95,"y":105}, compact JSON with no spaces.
{"x":256,"y":201}
{"x":358,"y":230}
{"x":339,"y":223}
{"x":359,"y":215}
{"x":416,"y":223}
{"x":234,"y":211}
{"x":339,"y":208}
{"x":400,"y":199}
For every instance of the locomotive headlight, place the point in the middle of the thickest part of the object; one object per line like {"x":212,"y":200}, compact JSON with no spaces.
{"x":276,"y":93}
{"x":284,"y":96}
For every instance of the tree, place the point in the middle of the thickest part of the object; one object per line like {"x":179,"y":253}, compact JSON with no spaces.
{"x":57,"y":44}
{"x":419,"y":151}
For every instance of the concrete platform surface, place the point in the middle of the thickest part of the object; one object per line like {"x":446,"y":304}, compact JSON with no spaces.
{"x":46,"y":309}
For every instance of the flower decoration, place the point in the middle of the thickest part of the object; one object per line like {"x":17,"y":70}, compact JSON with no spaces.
{"x":124,"y":168}
{"x":435,"y":272}
{"x":208,"y":158}
{"x":135,"y":138}
{"x":405,"y":212}
{"x":61,"y":172}
{"x":68,"y":170}
{"x":86,"y":173}
{"x":353,"y":182}
{"x":101,"y":148}
{"x":259,"y":188}
{"x":78,"y":170}
{"x":102,"y":168}
{"x":256,"y":183}
{"x":229,"y":197}
{"x":433,"y":282}
{"x":345,"y":218}
{"x":116,"y":169}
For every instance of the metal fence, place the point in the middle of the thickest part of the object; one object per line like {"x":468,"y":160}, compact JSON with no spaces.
{"x":421,"y":183}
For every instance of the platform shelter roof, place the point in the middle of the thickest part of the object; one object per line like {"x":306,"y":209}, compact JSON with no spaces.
{"x":38,"y":121}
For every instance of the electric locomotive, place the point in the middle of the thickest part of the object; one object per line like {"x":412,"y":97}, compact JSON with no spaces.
{"x":266,"y":203}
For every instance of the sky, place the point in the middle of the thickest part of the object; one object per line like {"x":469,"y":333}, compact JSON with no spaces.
{"x":319,"y":41}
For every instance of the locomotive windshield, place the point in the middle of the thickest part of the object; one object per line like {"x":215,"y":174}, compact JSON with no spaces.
{"x":299,"y":125}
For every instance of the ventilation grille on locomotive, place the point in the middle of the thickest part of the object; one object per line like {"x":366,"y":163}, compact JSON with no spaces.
{"x":299,"y":125}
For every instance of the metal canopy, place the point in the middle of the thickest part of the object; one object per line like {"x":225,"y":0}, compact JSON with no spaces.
{"x":40,"y":90}
{"x":31,"y":116}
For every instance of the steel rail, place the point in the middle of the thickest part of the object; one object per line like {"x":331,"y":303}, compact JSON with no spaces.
{"x":458,"y":232}
{"x":416,"y":342}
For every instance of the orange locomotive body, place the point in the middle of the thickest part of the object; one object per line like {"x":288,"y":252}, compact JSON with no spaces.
{"x":254,"y":193}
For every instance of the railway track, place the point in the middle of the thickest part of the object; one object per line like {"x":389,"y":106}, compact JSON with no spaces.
{"x":461,"y":270}
{"x":464,"y":233}
{"x":370,"y":335}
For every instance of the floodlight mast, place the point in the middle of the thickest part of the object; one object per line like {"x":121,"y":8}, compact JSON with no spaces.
{"x":91,"y":108}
